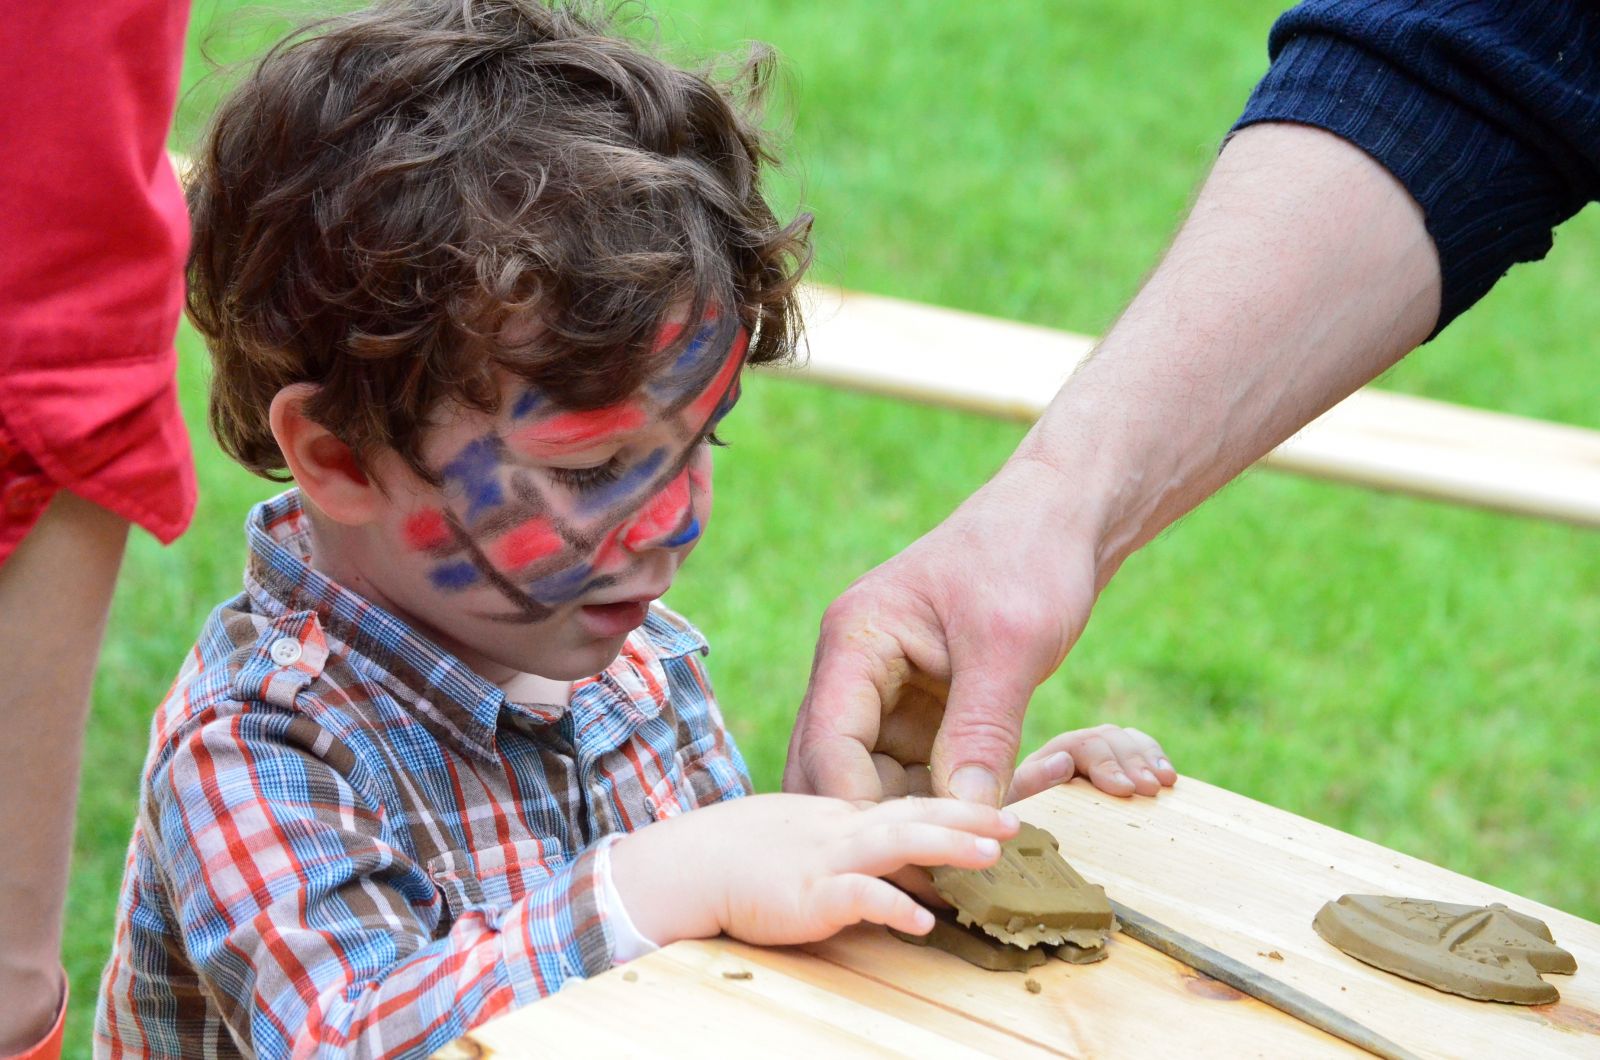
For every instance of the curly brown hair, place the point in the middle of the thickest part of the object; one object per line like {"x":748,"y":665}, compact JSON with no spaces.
{"x":388,"y":189}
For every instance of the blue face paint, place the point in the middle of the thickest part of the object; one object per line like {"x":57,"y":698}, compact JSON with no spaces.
{"x":562,"y":586}
{"x":475,"y":469}
{"x":624,"y":485}
{"x":527,"y":403}
{"x":456,"y":575}
{"x":691,"y":371}
{"x":684,"y":536}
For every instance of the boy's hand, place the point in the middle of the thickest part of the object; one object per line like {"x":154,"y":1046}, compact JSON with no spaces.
{"x":1118,"y":761}
{"x":781,"y":869}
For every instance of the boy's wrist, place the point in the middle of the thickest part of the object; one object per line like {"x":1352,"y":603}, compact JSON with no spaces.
{"x":663,"y":878}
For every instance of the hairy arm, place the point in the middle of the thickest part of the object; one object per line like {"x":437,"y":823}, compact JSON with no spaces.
{"x":1303,"y":271}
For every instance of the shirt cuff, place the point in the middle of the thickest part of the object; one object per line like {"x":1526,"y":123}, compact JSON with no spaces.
{"x":49,"y":1047}
{"x":626,"y":942}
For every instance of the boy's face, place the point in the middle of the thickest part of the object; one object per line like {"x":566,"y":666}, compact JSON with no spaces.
{"x":554,"y":529}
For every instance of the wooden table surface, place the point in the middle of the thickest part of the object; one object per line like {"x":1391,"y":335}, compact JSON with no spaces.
{"x":1234,"y":873}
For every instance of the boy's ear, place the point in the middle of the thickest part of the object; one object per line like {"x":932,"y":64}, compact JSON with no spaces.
{"x":325,"y":468}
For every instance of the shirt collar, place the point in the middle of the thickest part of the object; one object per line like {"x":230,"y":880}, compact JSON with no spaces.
{"x":435,"y":685}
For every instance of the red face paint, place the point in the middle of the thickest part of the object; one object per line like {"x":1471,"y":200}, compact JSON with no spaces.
{"x":572,"y":431}
{"x":664,"y":514}
{"x":426,"y":530}
{"x":525,"y":544}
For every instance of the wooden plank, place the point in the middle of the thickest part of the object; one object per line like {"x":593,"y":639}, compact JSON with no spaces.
{"x":1238,"y":875}
{"x":1247,"y":879}
{"x":1372,"y":438}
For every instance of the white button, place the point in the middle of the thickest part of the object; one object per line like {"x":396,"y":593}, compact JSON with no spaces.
{"x":285,"y":651}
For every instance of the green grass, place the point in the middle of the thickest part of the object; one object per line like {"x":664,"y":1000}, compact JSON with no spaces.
{"x":1414,"y":673}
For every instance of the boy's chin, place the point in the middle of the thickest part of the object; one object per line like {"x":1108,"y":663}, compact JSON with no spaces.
{"x":579,"y":661}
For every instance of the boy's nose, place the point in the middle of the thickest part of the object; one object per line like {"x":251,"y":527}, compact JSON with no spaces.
{"x":666,"y":521}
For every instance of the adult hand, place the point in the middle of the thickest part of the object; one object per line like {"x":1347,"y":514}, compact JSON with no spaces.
{"x":1304,"y":270}
{"x":950,"y":637}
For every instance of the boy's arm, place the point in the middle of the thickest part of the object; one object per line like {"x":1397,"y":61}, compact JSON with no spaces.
{"x":310,"y":928}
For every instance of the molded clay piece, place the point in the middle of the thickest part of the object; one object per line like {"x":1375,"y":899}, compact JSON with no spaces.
{"x":1484,"y":952}
{"x":973,"y":946}
{"x":1029,"y":896}
{"x":1072,"y":953}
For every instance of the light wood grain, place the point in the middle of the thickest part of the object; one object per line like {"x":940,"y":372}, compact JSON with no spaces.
{"x":1373,"y":438}
{"x":1234,"y":873}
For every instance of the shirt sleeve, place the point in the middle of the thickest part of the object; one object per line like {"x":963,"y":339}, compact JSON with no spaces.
{"x":314,"y":931}
{"x":1487,"y":112}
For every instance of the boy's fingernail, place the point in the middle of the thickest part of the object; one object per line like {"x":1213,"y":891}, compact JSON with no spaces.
{"x":1151,"y":777}
{"x":924,"y":921}
{"x":975,"y":784}
{"x":1009,"y":819}
{"x":989,"y":848}
{"x":1121,"y":778}
{"x":1060,"y":763}
{"x":1162,"y":763}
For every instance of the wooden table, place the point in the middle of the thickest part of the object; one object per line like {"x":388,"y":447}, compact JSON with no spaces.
{"x":1236,"y":874}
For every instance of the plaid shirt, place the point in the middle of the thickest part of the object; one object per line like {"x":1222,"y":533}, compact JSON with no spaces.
{"x":350,"y":844}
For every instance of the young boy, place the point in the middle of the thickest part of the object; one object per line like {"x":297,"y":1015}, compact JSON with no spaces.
{"x":482,"y":280}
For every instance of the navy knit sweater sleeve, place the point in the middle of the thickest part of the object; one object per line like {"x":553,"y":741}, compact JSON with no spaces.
{"x":1488,"y":113}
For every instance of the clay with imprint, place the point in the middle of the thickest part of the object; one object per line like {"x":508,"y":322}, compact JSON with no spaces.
{"x":1488,"y":953}
{"x":1031,"y":895}
{"x":1007,"y":915}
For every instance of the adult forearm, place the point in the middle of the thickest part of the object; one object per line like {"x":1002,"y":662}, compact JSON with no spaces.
{"x":1303,"y":271}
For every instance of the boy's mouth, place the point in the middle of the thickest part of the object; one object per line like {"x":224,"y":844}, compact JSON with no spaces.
{"x":615,"y":619}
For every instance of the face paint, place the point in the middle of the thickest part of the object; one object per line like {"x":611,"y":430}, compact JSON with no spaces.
{"x":542,"y":533}
{"x":476,"y":473}
{"x":569,"y":431}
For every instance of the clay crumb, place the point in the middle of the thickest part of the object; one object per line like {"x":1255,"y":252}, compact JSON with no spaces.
{"x":1032,"y":985}
{"x":737,"y":975}
{"x":630,"y":977}
{"x":1271,"y":955}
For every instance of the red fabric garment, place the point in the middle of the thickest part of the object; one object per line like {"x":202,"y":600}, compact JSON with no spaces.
{"x":93,"y":235}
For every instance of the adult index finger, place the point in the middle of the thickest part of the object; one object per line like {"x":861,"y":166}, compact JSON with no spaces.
{"x":830,"y":750}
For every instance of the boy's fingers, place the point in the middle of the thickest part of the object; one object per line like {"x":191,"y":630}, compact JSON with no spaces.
{"x":881,"y":850}
{"x":1097,"y":760}
{"x":1130,"y":753}
{"x":854,"y":897}
{"x":1153,"y":754}
{"x":1037,"y":773}
{"x":949,"y":813}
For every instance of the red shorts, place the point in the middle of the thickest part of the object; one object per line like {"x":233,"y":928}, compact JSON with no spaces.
{"x":94,"y":233}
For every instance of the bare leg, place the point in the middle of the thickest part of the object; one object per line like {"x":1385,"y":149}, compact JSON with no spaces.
{"x":55,"y":592}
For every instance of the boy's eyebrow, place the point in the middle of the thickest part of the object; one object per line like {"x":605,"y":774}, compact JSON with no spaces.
{"x":569,"y":430}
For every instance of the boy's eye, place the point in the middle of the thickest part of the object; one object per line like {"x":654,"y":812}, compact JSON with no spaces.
{"x":710,"y":438}
{"x":588,"y":478}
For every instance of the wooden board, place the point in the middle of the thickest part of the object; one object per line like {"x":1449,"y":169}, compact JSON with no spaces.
{"x":1372,"y":438}
{"x":1234,"y":873}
